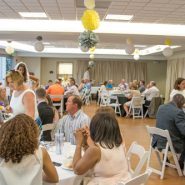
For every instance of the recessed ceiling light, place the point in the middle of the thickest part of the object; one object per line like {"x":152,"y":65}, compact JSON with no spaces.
{"x":119,"y":17}
{"x":33,"y":14}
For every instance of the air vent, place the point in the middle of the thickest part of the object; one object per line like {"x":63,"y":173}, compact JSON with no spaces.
{"x":99,"y":3}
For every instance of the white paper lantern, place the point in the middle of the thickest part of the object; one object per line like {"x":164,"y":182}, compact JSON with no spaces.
{"x":129,"y":49}
{"x":90,"y":4}
{"x":84,"y":49}
{"x":91,"y":63}
{"x":39,"y":46}
{"x":9,"y":50}
{"x":91,"y":56}
{"x":168,"y":52}
{"x":136,"y":57}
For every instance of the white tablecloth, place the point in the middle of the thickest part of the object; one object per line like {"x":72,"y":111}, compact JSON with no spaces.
{"x":66,"y":177}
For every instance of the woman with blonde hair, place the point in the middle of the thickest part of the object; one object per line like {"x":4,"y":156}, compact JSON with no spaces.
{"x":22,"y":161}
{"x":23,"y":99}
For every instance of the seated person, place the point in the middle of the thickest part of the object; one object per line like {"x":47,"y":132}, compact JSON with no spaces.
{"x":81,"y":87}
{"x":133,"y":92}
{"x":75,"y":118}
{"x":106,"y":151}
{"x":141,"y":86}
{"x":109,"y":84}
{"x":150,"y":92}
{"x":179,"y":88}
{"x":3,"y":98}
{"x":56,"y":89}
{"x":123,"y":85}
{"x":22,"y":161}
{"x":171,"y":117}
{"x":47,"y":114}
{"x":72,"y":88}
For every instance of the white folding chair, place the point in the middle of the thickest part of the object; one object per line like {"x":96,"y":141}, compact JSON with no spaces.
{"x":169,"y":148}
{"x":61,"y":103}
{"x":138,"y":180}
{"x":86,"y":97}
{"x":143,"y":157}
{"x":137,"y":106}
{"x":49,"y":126}
{"x":113,"y":102}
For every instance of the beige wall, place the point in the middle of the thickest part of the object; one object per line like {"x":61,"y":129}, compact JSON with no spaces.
{"x":156,"y":71}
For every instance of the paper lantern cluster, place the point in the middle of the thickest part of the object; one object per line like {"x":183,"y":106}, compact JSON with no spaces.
{"x":90,"y":20}
{"x":9,"y":49}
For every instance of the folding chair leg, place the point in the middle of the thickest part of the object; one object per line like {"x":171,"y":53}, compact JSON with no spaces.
{"x":146,"y":113}
{"x":159,"y":158}
{"x":164,"y":162}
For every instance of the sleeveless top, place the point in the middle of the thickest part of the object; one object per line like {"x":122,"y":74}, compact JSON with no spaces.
{"x":27,"y":172}
{"x":111,"y":168}
{"x":17,"y":105}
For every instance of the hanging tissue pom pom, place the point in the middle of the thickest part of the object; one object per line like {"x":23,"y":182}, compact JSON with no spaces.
{"x":168,"y":52}
{"x":168,"y":42}
{"x":129,"y":49}
{"x":9,"y":50}
{"x":90,"y":4}
{"x":88,"y":39}
{"x":129,"y":41}
{"x":84,"y":49}
{"x":91,"y":56}
{"x":92,"y":49}
{"x":90,"y":20}
{"x":91,"y":63}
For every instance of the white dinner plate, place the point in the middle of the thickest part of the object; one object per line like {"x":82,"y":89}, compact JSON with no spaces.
{"x":66,"y":168}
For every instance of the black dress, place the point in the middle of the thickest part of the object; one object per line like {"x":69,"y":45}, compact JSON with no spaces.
{"x":46,"y":114}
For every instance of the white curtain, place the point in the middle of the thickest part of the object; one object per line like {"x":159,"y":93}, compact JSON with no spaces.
{"x":115,"y":70}
{"x":175,"y":69}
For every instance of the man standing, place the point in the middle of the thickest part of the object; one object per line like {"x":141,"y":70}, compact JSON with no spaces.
{"x":75,"y":118}
{"x":171,"y":117}
{"x":87,"y":74}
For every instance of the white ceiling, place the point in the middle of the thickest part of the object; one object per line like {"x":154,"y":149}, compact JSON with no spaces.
{"x":144,"y":11}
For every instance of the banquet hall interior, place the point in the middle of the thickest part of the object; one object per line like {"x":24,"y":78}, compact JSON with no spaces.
{"x":118,"y":40}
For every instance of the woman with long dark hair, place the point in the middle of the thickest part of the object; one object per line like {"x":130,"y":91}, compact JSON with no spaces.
{"x":105,"y":154}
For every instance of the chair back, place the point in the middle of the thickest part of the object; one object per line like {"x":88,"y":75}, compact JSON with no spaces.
{"x":138,"y":180}
{"x":137,"y":102}
{"x":137,"y":106}
{"x":61,"y":103}
{"x":143,"y":157}
{"x":50,"y":126}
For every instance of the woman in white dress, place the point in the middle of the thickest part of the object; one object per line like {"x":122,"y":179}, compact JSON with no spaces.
{"x":22,"y":161}
{"x":23,"y":99}
{"x":28,"y":79}
{"x":179,"y":88}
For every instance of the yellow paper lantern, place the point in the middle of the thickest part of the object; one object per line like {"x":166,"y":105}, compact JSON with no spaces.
{"x":90,"y":20}
{"x":129,"y":41}
{"x":92,"y":49}
{"x":168,"y":42}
